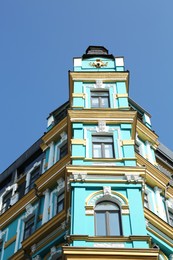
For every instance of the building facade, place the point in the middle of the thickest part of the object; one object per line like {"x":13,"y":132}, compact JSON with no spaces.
{"x":98,"y":184}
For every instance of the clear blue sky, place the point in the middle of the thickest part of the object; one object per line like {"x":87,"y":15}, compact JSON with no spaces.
{"x":38,"y":40}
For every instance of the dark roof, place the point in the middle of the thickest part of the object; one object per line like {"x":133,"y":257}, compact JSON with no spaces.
{"x":22,"y":159}
{"x":165,"y":151}
{"x":97,"y":51}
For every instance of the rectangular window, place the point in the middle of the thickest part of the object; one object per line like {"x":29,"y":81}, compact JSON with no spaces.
{"x":103,"y":146}
{"x":63,"y":150}
{"x":6,"y":200}
{"x":1,"y":248}
{"x":146,"y":203}
{"x":60,"y":202}
{"x":100,"y":99}
{"x":34,"y":176}
{"x":170,"y":213}
{"x":29,"y":227}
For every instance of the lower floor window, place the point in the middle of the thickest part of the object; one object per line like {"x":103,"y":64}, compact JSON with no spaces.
{"x":29,"y":227}
{"x":60,"y":202}
{"x":107,"y":219}
{"x":170,"y":213}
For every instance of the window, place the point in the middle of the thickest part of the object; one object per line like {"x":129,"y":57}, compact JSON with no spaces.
{"x":100,"y":99}
{"x":103,"y":146}
{"x":63,"y":150}
{"x":170,"y":214}
{"x":29,"y":227}
{"x":107,"y":219}
{"x":146,"y":202}
{"x":60,"y":202}
{"x":1,"y":248}
{"x":6,"y":200}
{"x":33,"y":177}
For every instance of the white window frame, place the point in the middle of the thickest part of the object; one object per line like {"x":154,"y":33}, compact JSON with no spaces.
{"x":58,"y":146}
{"x":28,"y":175}
{"x":12,"y":188}
{"x":54,"y":196}
{"x":108,"y":131}
{"x":100,"y":86}
{"x":30,"y":211}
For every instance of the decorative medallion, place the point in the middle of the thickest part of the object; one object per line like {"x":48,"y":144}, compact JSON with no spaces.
{"x":98,"y":63}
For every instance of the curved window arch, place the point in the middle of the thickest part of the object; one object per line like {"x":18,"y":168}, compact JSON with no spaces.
{"x":108,"y":219}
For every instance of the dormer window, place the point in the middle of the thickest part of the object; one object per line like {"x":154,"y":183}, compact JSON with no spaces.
{"x":100,"y":99}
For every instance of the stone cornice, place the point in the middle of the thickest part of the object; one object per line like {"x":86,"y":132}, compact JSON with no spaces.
{"x":108,"y":239}
{"x":158,"y":223}
{"x":109,"y":253}
{"x":115,"y":170}
{"x":147,"y":134}
{"x":17,"y":208}
{"x":154,"y":177}
{"x":54,"y":133}
{"x":44,"y":230}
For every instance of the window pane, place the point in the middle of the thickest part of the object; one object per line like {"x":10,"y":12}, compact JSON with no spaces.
{"x":29,"y":227}
{"x":114,"y":224}
{"x":100,"y":224}
{"x":104,"y":102}
{"x":108,"y":151}
{"x":94,"y":102}
{"x":63,"y":150}
{"x":97,"y":151}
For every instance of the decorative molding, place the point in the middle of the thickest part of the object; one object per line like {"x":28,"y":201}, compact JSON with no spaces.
{"x":99,"y":83}
{"x":102,"y":128}
{"x":110,"y":245}
{"x":107,"y":190}
{"x":98,"y":63}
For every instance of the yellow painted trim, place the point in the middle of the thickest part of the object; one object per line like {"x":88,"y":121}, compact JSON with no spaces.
{"x":110,"y":253}
{"x":78,"y":95}
{"x":78,"y":141}
{"x":109,"y":170}
{"x":125,"y":95}
{"x":159,"y":236}
{"x":94,"y":194}
{"x":77,"y":107}
{"x":154,"y":177}
{"x":158,"y":223}
{"x":10,"y":241}
{"x":128,"y":142}
{"x":54,"y":133}
{"x":147,"y":134}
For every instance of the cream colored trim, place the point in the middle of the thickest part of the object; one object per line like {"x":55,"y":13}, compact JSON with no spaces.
{"x":128,"y":142}
{"x":158,"y":223}
{"x":78,"y":141}
{"x":159,"y":236}
{"x":79,"y":95}
{"x":125,"y":95}
{"x":110,"y":253}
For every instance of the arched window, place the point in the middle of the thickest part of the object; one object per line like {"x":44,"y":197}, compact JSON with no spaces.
{"x":107,"y":219}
